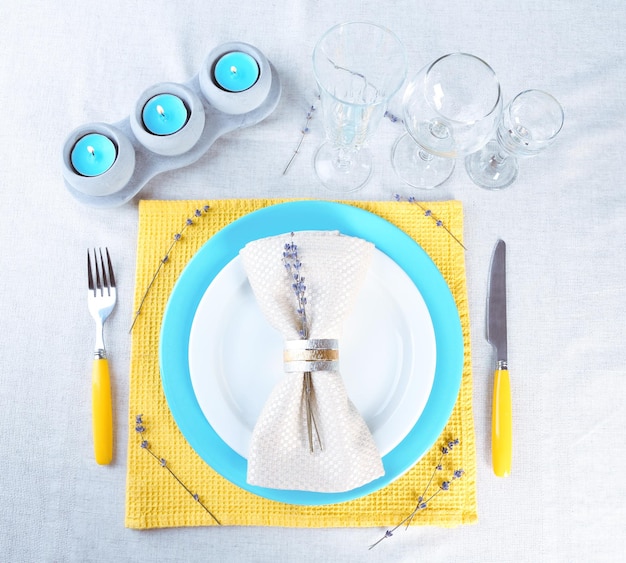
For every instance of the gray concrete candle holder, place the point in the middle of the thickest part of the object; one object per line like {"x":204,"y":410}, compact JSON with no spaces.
{"x":142,"y":155}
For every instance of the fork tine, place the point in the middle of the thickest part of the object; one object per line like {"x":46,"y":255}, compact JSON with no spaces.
{"x":89,"y":274}
{"x":98,"y":280}
{"x":111,"y":276}
{"x":105,"y":282}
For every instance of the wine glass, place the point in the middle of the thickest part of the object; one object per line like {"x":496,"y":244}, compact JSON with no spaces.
{"x":358,"y":67}
{"x":451,"y":109}
{"x":529,"y":124}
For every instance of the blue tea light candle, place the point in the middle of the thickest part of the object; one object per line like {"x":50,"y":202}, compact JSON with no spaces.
{"x":168,"y":119}
{"x":236,"y":71}
{"x":98,"y":160}
{"x":93,"y":154}
{"x":165,"y":114}
{"x":235,"y":78}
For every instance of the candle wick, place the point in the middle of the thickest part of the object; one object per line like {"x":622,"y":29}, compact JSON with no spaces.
{"x":233,"y":69}
{"x":160,"y":110}
{"x":91,"y":150}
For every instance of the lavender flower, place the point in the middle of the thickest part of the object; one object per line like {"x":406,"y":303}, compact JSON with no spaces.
{"x":393,"y":118}
{"x":177,"y":236}
{"x":421,"y":503}
{"x":429,"y":213}
{"x":293,"y":267}
{"x":140,"y":429}
{"x":303,"y":133}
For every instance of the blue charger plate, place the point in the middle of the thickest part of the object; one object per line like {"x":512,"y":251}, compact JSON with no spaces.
{"x":300,"y":216}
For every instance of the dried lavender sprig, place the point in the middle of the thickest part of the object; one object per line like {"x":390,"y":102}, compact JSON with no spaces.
{"x":188,"y":223}
{"x":429,"y":213}
{"x":421,"y":503}
{"x":140,"y":429}
{"x":304,"y":131}
{"x":293,"y":266}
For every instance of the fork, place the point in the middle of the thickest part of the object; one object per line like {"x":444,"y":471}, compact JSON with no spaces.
{"x":101,"y":299}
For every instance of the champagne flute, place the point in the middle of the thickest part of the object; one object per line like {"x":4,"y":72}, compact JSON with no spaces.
{"x":529,"y":125}
{"x":358,"y":67}
{"x":451,"y":109}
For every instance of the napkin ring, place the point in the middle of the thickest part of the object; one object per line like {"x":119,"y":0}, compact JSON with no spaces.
{"x":321,"y":354}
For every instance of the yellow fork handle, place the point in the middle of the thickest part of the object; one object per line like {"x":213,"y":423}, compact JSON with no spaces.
{"x":102,"y":411}
{"x":501,"y":424}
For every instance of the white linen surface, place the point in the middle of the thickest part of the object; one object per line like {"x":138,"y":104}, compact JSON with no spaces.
{"x":63,"y":64}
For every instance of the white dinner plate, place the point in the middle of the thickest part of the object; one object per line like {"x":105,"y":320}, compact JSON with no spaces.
{"x":387,"y":355}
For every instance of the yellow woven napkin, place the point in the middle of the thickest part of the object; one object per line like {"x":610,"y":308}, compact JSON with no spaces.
{"x":155,"y":498}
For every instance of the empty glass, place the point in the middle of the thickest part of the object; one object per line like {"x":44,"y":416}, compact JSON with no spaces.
{"x":529,"y":124}
{"x":358,"y":67}
{"x":451,"y":109}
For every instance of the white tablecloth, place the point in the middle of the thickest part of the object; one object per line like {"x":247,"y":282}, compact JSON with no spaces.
{"x":69,"y":63}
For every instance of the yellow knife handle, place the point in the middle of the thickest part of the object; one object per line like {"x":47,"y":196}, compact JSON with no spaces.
{"x":102,"y":411}
{"x":501,"y":424}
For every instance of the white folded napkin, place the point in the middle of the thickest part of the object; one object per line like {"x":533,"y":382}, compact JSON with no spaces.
{"x":333,"y":267}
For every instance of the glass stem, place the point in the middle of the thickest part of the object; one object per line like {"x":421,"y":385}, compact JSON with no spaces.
{"x":498,"y":159}
{"x":425,"y":156}
{"x":343,"y":160}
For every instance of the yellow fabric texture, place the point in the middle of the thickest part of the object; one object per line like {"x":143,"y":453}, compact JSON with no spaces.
{"x":154,"y":498}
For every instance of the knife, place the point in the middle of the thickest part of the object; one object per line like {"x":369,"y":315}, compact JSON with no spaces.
{"x":501,"y":417}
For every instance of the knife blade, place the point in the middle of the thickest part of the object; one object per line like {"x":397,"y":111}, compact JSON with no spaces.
{"x":501,"y":416}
